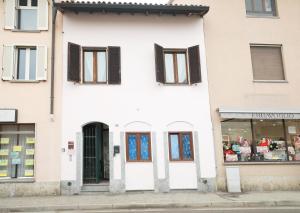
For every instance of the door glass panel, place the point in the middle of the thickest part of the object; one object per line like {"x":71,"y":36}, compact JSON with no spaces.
{"x":132,"y":146}
{"x":88,"y":66}
{"x":101,"y":67}
{"x":181,"y":64}
{"x":169,"y":66}
{"x":186,"y":140}
{"x":144,"y":147}
{"x":174,"y":147}
{"x":32,"y":66}
{"x":21,"y":63}
{"x":34,"y":3}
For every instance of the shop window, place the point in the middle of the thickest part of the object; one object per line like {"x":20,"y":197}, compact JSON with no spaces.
{"x":267,"y":63}
{"x":261,"y":7}
{"x":181,"y":146}
{"x":17,"y":151}
{"x":94,"y":68}
{"x":261,"y":140}
{"x":27,"y":14}
{"x":138,"y":147}
{"x":293,"y":139}
{"x":177,"y":66}
{"x":100,"y":64}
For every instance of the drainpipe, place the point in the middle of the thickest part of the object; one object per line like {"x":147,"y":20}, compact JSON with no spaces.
{"x":54,"y":13}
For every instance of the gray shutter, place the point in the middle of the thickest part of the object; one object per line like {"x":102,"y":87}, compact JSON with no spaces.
{"x":8,"y":63}
{"x":41,"y":63}
{"x":194,"y":64}
{"x":74,"y":52}
{"x":267,"y":63}
{"x":42,"y":15}
{"x":114,"y":65}
{"x":159,"y":63}
{"x":9,"y":14}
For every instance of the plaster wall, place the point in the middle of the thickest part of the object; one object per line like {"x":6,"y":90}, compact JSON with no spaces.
{"x":139,"y":101}
{"x":32,"y":100}
{"x":228,"y":34}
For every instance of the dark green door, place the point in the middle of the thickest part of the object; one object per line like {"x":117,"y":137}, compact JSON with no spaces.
{"x":92,"y":154}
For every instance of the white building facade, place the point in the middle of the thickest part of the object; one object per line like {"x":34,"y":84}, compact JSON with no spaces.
{"x":135,"y":102}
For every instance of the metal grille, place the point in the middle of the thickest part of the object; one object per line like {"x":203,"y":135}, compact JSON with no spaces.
{"x":89,"y":154}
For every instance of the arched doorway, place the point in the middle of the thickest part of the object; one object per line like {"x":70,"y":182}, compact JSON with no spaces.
{"x":95,"y":153}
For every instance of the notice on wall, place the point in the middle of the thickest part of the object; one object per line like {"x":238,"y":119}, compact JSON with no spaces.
{"x":29,"y":162}
{"x":4,"y":141}
{"x":30,"y":140}
{"x":3,"y":162}
{"x":3,"y":152}
{"x":292,"y":130}
{"x":14,"y":155}
{"x":3,"y":173}
{"x":16,"y":161}
{"x":29,"y":173}
{"x":29,"y":151}
{"x":17,"y":148}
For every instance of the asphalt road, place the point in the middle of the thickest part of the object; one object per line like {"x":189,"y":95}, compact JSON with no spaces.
{"x":189,"y":210}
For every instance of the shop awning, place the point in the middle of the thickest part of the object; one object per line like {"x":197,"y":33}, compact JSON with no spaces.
{"x":233,"y":113}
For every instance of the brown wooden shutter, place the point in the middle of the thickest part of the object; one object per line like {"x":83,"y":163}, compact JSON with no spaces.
{"x":194,"y":64}
{"x":159,"y":63}
{"x":267,"y":63}
{"x":74,"y":62}
{"x":114,"y":65}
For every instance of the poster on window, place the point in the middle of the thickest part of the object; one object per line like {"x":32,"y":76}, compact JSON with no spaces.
{"x":28,"y":173}
{"x":16,"y":161}
{"x":30,"y":140}
{"x":3,"y":162}
{"x":17,"y":148}
{"x":29,"y":151}
{"x":3,"y":173}
{"x":3,"y":152}
{"x":29,"y":162}
{"x":4,"y":141}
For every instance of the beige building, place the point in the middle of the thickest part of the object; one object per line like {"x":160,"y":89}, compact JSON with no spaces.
{"x":253,"y":71}
{"x":29,"y":107}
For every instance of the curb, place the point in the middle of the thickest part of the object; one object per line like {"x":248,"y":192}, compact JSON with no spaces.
{"x":231,"y":204}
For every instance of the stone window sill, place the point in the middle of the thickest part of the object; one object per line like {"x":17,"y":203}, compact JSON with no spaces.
{"x":17,"y":180}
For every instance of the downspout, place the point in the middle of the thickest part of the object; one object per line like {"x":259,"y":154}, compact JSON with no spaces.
{"x":54,"y":13}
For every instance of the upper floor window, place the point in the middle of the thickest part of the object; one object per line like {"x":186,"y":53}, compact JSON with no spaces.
{"x":177,"y":66}
{"x":24,"y":63}
{"x":267,"y":62}
{"x":26,"y":15}
{"x":94,"y":68}
{"x":100,"y":64}
{"x":261,"y":7}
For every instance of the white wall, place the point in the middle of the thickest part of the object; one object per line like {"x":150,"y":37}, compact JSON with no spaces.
{"x":139,"y":97}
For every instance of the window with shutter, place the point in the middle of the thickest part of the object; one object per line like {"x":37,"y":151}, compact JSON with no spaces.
{"x":177,"y":66}
{"x":74,"y":52}
{"x":267,"y":62}
{"x":25,"y":63}
{"x":114,"y":65}
{"x":26,"y":14}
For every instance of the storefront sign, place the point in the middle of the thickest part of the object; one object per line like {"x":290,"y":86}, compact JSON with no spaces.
{"x":273,"y":116}
{"x":227,"y":113}
{"x":8,"y":115}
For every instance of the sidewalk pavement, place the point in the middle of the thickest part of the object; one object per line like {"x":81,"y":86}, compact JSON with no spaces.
{"x":137,"y":200}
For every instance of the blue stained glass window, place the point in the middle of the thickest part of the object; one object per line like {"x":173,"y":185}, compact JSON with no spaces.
{"x":174,"y":147}
{"x":144,"y":147}
{"x":187,"y":154}
{"x":132,"y":146}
